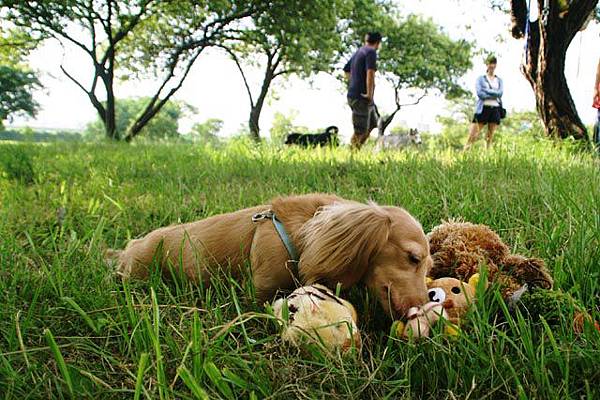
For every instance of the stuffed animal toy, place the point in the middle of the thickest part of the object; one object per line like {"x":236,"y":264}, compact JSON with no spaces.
{"x":460,"y":249}
{"x":420,"y":321}
{"x":315,"y":314}
{"x":449,"y":298}
{"x":456,"y":296}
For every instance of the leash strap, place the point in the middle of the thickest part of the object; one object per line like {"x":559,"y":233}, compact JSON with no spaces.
{"x":285,"y":238}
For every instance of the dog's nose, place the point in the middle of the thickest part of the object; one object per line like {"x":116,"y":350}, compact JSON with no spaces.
{"x":410,"y":302}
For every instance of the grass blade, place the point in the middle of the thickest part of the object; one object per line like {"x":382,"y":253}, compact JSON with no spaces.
{"x":81,"y":313}
{"x":139,"y":382}
{"x":60,"y":361}
{"x":190,"y":382}
{"x":216,"y":378}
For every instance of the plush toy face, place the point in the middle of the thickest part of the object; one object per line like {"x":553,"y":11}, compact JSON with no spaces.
{"x":316,"y":314}
{"x":453,"y":294}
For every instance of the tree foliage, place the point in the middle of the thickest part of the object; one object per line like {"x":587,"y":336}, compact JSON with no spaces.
{"x":133,"y":39}
{"x":131,"y":35}
{"x":292,"y":37}
{"x":16,"y":86}
{"x":415,"y":53}
{"x":419,"y":55}
{"x":207,"y":131}
{"x":17,"y":80}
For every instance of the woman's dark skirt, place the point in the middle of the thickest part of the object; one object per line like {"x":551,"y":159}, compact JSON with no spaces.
{"x":489,"y":115}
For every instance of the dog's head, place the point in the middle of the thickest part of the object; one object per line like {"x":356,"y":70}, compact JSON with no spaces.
{"x":384,"y":247}
{"x":291,"y":138}
{"x":415,"y":136}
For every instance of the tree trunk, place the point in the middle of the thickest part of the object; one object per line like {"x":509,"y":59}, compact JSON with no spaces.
{"x":253,"y":123}
{"x":386,"y":121}
{"x":110,"y":120}
{"x":547,"y":46}
{"x":256,"y":108}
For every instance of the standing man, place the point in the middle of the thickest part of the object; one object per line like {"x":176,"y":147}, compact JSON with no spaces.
{"x":360,"y":73}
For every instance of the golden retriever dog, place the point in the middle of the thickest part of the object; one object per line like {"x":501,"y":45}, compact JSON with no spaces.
{"x":338,"y":241}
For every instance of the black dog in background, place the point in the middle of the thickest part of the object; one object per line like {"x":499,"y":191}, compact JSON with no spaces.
{"x":329,"y":137}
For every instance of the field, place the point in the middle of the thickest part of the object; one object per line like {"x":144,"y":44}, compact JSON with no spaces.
{"x":69,"y":328}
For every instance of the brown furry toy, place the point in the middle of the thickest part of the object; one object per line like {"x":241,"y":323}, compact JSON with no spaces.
{"x":460,"y":249}
{"x":315,"y":314}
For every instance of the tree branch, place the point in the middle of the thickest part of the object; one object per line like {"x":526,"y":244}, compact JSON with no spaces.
{"x":388,"y":120}
{"x":153,"y":107}
{"x":286,"y":72}
{"x":413,"y":103}
{"x":92,"y":96}
{"x":239,"y":67}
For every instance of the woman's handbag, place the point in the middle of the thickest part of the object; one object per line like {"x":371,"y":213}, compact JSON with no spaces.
{"x":502,"y":111}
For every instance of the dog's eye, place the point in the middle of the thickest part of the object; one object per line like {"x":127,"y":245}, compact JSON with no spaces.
{"x":413,"y":259}
{"x":455,"y":290}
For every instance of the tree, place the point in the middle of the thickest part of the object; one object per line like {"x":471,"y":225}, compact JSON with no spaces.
{"x":292,"y":37}
{"x":175,"y":37}
{"x":163,"y":126}
{"x":17,"y":80}
{"x":416,"y":54}
{"x":207,"y":131}
{"x":16,"y":86}
{"x":169,"y":34}
{"x":547,"y":42}
{"x":419,"y":56}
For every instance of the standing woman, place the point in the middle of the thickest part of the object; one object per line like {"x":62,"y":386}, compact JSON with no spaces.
{"x":489,"y":104}
{"x":596,"y":104}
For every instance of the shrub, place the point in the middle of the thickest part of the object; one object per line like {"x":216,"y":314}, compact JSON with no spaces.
{"x":16,"y":164}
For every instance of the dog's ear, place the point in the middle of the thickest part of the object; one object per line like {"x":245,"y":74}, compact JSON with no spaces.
{"x":338,"y":242}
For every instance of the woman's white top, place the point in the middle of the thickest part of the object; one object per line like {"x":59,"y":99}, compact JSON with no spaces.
{"x":495,"y":84}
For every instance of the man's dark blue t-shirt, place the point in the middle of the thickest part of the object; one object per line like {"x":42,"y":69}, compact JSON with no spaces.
{"x":365,"y":58}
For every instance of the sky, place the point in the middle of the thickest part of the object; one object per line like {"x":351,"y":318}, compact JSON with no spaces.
{"x":215,"y":88}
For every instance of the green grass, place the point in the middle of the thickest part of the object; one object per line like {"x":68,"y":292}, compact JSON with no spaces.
{"x":68,"y":328}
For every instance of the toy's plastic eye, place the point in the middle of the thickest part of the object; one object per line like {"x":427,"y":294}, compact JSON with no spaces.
{"x":455,"y":290}
{"x":437,"y":294}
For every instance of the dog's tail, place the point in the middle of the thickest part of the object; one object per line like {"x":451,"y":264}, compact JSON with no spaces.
{"x":332,"y":130}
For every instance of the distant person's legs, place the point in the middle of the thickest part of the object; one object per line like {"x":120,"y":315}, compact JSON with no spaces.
{"x":476,"y":127}
{"x":597,"y":133}
{"x":490,"y":134}
{"x":364,"y":119}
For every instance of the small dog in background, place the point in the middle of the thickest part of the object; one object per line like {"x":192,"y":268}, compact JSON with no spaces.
{"x":327,"y":138}
{"x":399,"y":141}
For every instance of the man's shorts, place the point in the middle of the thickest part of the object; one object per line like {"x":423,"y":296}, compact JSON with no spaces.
{"x":364,"y":115}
